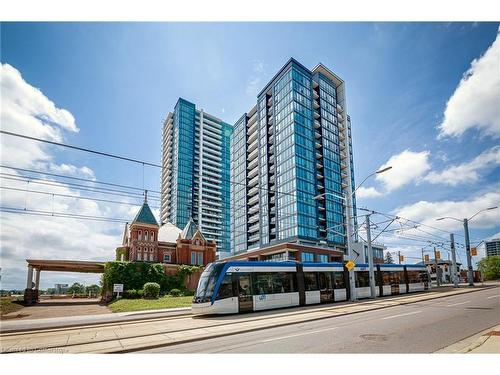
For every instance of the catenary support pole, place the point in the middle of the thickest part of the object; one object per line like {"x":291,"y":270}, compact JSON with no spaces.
{"x":371,"y":272}
{"x":453,"y":261}
{"x":438,"y":281}
{"x":470,"y":273}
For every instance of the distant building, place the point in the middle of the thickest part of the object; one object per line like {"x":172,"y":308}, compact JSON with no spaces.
{"x":61,"y":288}
{"x":492,"y":247}
{"x":146,"y":241}
{"x":362,"y":249}
{"x":444,"y":270}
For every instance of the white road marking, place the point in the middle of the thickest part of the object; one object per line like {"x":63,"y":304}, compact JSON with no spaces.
{"x":299,"y":334}
{"x":492,"y":297}
{"x":397,"y":316}
{"x":458,"y":303}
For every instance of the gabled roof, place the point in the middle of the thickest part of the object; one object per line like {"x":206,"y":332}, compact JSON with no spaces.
{"x":145,"y":216}
{"x":190,"y":230}
{"x":168,"y":232}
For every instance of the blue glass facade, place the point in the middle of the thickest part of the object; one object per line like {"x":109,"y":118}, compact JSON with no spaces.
{"x":196,"y":176}
{"x":183,"y":151}
{"x":303,"y":154}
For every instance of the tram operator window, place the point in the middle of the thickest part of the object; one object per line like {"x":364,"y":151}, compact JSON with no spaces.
{"x":225,"y":289}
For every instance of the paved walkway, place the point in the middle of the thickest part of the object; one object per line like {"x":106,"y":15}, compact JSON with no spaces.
{"x":54,"y":308}
{"x":134,"y":335}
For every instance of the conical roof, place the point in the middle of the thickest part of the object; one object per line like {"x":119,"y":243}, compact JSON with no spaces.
{"x":145,"y":216}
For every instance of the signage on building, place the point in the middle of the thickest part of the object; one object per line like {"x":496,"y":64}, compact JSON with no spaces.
{"x":117,"y":288}
{"x":350,"y":265}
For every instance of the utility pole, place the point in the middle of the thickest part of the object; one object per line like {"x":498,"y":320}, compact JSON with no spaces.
{"x":438,"y":281}
{"x":371,"y":272}
{"x":399,"y":257}
{"x":470,"y":273}
{"x":454,"y":261}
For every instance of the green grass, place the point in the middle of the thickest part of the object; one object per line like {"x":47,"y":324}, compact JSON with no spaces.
{"x":167,"y":302}
{"x":8,"y":306}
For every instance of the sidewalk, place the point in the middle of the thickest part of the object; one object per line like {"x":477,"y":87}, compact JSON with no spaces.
{"x":85,"y":320}
{"x":486,"y":342}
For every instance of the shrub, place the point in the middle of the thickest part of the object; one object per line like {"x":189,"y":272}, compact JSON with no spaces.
{"x":151,"y":290}
{"x":131,"y":294}
{"x":175,"y":293}
{"x":140,"y":293}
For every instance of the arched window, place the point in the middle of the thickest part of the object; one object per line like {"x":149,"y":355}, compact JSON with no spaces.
{"x":152,"y":236}
{"x":146,"y":235}
{"x":139,"y":235}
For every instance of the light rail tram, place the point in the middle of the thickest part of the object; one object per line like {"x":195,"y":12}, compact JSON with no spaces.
{"x":244,"y":286}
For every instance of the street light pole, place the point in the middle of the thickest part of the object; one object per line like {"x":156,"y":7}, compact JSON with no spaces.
{"x":470,"y":272}
{"x":371,"y":271}
{"x":454,"y":260}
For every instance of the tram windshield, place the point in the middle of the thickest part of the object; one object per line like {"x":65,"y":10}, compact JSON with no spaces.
{"x":207,"y":282}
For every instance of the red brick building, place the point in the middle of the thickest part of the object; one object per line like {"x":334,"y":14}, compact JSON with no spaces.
{"x":146,"y":241}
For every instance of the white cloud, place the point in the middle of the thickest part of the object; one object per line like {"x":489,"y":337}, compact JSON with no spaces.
{"x":427,"y":212}
{"x":475,"y":102}
{"x":466,"y":172}
{"x":26,"y":110}
{"x":369,"y":192}
{"x":407,"y":166}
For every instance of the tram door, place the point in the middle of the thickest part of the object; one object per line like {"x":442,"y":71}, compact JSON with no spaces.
{"x":245,"y":298}
{"x":394,"y":282}
{"x":326,"y":287}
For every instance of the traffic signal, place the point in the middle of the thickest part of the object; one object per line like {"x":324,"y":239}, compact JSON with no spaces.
{"x":426,"y":258}
{"x":438,"y":255}
{"x":473,"y":251}
{"x":401,"y":258}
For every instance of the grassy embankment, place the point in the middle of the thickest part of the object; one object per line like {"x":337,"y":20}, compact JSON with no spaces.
{"x":8,"y":306}
{"x":125,"y":305}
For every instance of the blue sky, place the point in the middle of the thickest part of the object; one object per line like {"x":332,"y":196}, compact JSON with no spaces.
{"x":119,"y":80}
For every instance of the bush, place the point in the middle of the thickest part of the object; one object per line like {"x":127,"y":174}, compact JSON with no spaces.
{"x":175,"y":293}
{"x":140,"y":293}
{"x":130,"y":294}
{"x":151,"y":290}
{"x":490,"y":267}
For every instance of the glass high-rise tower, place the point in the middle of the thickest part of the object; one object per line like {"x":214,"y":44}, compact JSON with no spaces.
{"x":293,"y":146}
{"x":196,"y":172}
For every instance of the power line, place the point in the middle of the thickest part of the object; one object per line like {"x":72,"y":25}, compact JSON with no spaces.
{"x":34,"y":180}
{"x":81,"y":149}
{"x":59,"y":214}
{"x":78,"y":178}
{"x":73,"y":196}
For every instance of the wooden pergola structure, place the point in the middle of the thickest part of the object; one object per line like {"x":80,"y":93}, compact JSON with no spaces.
{"x":39,"y":265}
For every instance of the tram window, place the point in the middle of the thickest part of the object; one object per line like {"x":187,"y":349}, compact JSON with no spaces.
{"x":386,"y":278}
{"x":362,"y":279}
{"x":325,"y":280}
{"x":226,"y":288}
{"x":262,"y":283}
{"x":310,"y":281}
{"x":339,"y":281}
{"x":413,"y":277}
{"x":276,"y":282}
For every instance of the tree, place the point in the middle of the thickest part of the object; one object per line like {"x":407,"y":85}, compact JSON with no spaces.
{"x":388,"y":258}
{"x":93,"y":290}
{"x":76,"y":288}
{"x":490,"y":267}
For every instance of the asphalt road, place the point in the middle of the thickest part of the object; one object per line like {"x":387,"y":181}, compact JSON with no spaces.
{"x":422,"y":327}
